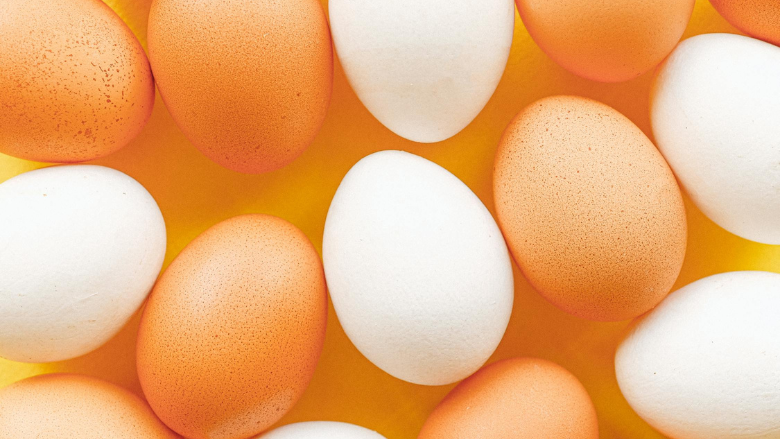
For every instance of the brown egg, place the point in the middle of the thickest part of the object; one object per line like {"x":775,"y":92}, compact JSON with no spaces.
{"x":606,"y":40}
{"x":66,"y":406}
{"x":248,"y":82}
{"x":233,"y":329}
{"x":519,"y":398}
{"x":589,"y":208}
{"x":76,"y":84}
{"x":757,"y":18}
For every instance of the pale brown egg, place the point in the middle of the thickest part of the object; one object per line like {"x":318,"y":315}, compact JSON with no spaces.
{"x":66,"y":406}
{"x":757,"y":18}
{"x":519,"y":398}
{"x":589,"y":208}
{"x":248,"y":82}
{"x":606,"y":40}
{"x":233,"y":330}
{"x":76,"y":84}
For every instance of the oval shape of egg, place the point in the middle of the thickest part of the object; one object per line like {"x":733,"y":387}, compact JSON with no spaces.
{"x":76,"y":82}
{"x":606,"y":42}
{"x":423,"y":69}
{"x":706,"y":362}
{"x":522,"y":398}
{"x":417,"y":269}
{"x":69,"y":406}
{"x":714,"y":112}
{"x":757,"y":18}
{"x":590,"y":210}
{"x":321,"y":430}
{"x":247,"y":82}
{"x":233,"y":330}
{"x":81,"y":248}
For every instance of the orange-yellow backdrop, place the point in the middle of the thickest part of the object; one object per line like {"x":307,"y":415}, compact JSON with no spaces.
{"x":195,"y":193}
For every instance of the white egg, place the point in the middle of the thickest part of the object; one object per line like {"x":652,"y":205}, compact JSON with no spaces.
{"x":80,"y":247}
{"x":705,"y":364}
{"x":417,"y":269}
{"x":715,"y":111}
{"x":321,"y":430}
{"x":425,"y":69}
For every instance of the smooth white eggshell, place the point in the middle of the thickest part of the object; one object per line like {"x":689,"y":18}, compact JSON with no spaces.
{"x":705,"y":364}
{"x":425,"y":69}
{"x":715,"y":112}
{"x":321,"y":430}
{"x":80,"y":248}
{"x":417,"y":269}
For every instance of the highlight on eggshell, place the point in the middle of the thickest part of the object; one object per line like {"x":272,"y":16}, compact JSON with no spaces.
{"x":417,"y":270}
{"x":69,"y":406}
{"x":714,"y":111}
{"x":705,"y":362}
{"x":424,"y":69}
{"x":248,"y":83}
{"x":321,"y":430}
{"x":233,"y":330}
{"x":757,"y":18}
{"x":76,"y":84}
{"x":522,"y":398}
{"x":610,"y":41}
{"x":589,"y":208}
{"x":81,"y":247}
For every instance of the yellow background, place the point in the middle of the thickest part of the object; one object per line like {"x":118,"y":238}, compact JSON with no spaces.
{"x":195,"y":193}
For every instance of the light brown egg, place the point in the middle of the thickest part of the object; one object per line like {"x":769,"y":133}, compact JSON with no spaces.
{"x":248,"y":82}
{"x":519,"y":398}
{"x":589,"y":208}
{"x":76,"y":84}
{"x":757,"y":18}
{"x":606,"y":40}
{"x":66,"y":406}
{"x":233,"y":329}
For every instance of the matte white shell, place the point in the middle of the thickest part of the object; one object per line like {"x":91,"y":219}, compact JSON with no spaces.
{"x":321,"y":430}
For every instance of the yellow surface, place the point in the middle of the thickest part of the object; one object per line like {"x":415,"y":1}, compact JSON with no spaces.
{"x":195,"y":193}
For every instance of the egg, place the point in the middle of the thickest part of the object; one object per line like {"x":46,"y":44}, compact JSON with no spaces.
{"x":705,"y":364}
{"x":81,"y":247}
{"x":76,"y":82}
{"x":233,"y":330}
{"x":714,"y":112}
{"x":321,"y":430}
{"x":417,"y":270}
{"x":590,"y":210}
{"x":520,"y":398}
{"x":247,"y":82}
{"x":66,"y":406}
{"x":424,"y":69}
{"x":758,"y":18}
{"x":606,"y":41}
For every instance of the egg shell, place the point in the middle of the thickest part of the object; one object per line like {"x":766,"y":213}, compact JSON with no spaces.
{"x":321,"y":430}
{"x":606,"y":40}
{"x":247,"y":82}
{"x":233,"y":330}
{"x":66,"y":406}
{"x":757,"y":18}
{"x":425,"y":69}
{"x":705,"y":364}
{"x":715,"y":115}
{"x":590,"y":210}
{"x":417,"y":270}
{"x":76,"y":82}
{"x":519,"y":398}
{"x":80,"y":248}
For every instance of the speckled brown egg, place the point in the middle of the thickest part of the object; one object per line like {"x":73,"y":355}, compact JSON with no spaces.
{"x":66,"y":406}
{"x":248,"y":82}
{"x":519,"y":398}
{"x":76,"y":84}
{"x":589,"y":208}
{"x":757,"y":18}
{"x":233,"y":329}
